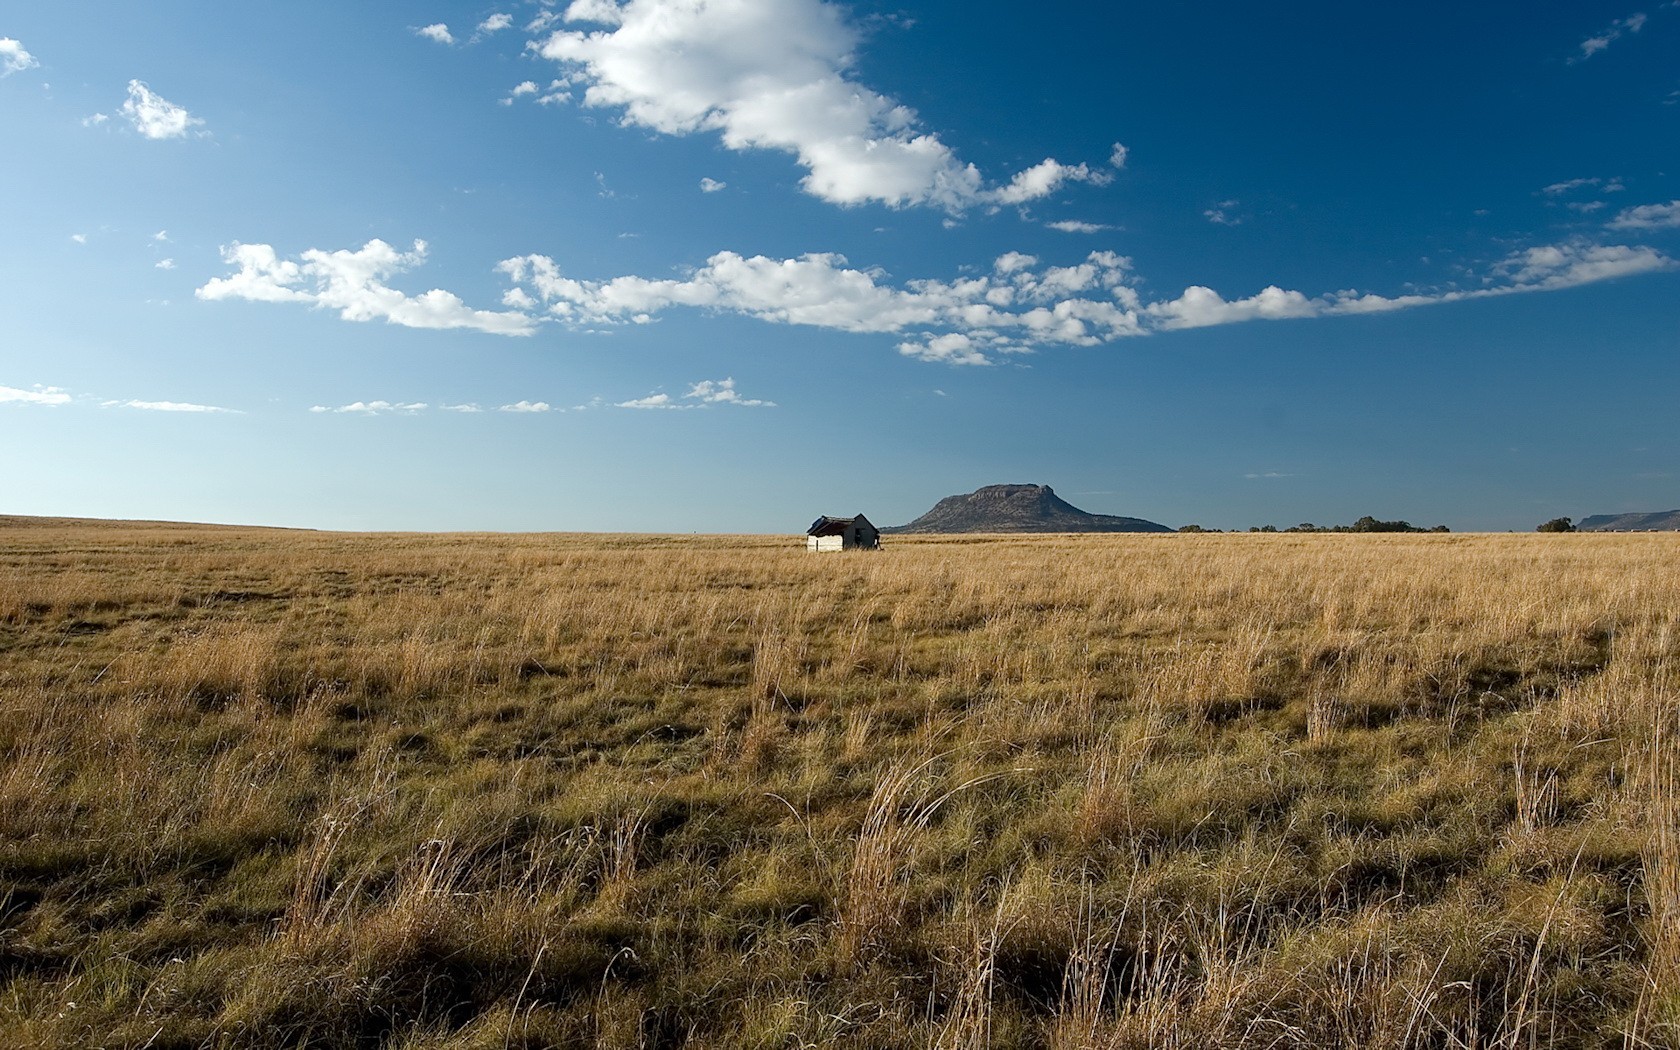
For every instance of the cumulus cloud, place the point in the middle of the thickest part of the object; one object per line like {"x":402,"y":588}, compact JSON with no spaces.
{"x":375,"y":408}
{"x":169,"y":406}
{"x":1117,"y":156}
{"x":711,"y":185}
{"x":165,"y":264}
{"x":495,"y":23}
{"x":13,"y":57}
{"x":154,"y":116}
{"x":527,"y":406}
{"x":1648,"y":217}
{"x":467,"y":408}
{"x":1043,"y":179}
{"x":773,"y":75}
{"x":437,"y":31}
{"x":722,"y":392}
{"x":36,"y":395}
{"x":353,"y":283}
{"x":703,"y":394}
{"x":1020,"y":305}
{"x":1592,"y":45}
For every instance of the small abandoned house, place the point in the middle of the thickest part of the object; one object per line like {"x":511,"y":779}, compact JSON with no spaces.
{"x":842,"y":534}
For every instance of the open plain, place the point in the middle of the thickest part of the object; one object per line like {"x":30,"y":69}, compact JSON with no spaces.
{"x":268,"y":788}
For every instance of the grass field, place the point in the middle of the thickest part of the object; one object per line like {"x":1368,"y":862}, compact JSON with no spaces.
{"x":288,"y":789}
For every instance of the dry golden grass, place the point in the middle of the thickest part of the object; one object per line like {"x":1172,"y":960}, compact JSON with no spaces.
{"x":265,"y":788}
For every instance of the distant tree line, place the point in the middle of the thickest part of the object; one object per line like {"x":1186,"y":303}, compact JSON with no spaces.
{"x":1365,"y":524}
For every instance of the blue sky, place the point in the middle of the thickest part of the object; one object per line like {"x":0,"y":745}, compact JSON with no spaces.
{"x":724,"y":265}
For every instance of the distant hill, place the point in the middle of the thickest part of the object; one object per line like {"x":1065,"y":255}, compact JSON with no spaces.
{"x":1018,"y":508}
{"x":1657,"y":521}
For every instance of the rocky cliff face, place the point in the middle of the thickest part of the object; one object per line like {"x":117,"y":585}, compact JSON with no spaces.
{"x":1659,"y":521}
{"x":1018,"y":508}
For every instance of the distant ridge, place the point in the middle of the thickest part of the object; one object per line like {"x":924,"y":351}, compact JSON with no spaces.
{"x":1654,"y":521}
{"x":1018,"y":508}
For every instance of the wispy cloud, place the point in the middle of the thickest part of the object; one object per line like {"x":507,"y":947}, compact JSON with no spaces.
{"x":495,"y":23}
{"x":13,"y":57}
{"x":1075,"y":226}
{"x":36,"y":395}
{"x":1648,"y":217}
{"x":708,"y":185}
{"x":164,"y":264}
{"x":375,"y":408}
{"x":53,"y":396}
{"x":1224,"y":214}
{"x":169,"y":406}
{"x":1592,"y":45}
{"x":353,"y":283}
{"x":527,"y":406}
{"x":774,"y":75}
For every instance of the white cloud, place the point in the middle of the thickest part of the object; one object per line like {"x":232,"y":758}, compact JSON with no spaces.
{"x":37,"y":395}
{"x":774,"y":75}
{"x":53,"y":396}
{"x":353,"y":283}
{"x":527,"y":406}
{"x":652,"y":401}
{"x":1020,"y":305}
{"x":1200,"y":307}
{"x":1010,"y":310}
{"x":165,"y":264}
{"x":1117,"y":157}
{"x":13,"y":58}
{"x":468,"y":408}
{"x":1558,"y":189}
{"x":722,"y":392}
{"x":375,"y":408}
{"x":711,"y":185}
{"x":494,"y":24}
{"x":705,"y":393}
{"x":1043,"y":179}
{"x":437,"y":31}
{"x":95,"y":120}
{"x":1075,"y":226}
{"x":161,"y":236}
{"x":79,"y":238}
{"x":1592,"y":45}
{"x":169,"y":406}
{"x":1221,"y":214}
{"x":1648,"y":217}
{"x":154,"y":116}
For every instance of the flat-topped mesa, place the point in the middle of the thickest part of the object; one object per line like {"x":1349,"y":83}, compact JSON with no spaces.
{"x":1018,"y":508}
{"x":1648,"y":521}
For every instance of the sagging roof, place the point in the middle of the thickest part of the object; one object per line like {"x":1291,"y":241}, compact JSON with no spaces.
{"x":831,"y":526}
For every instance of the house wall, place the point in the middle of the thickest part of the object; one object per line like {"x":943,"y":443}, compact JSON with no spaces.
{"x":861,"y":536}
{"x":825,"y":543}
